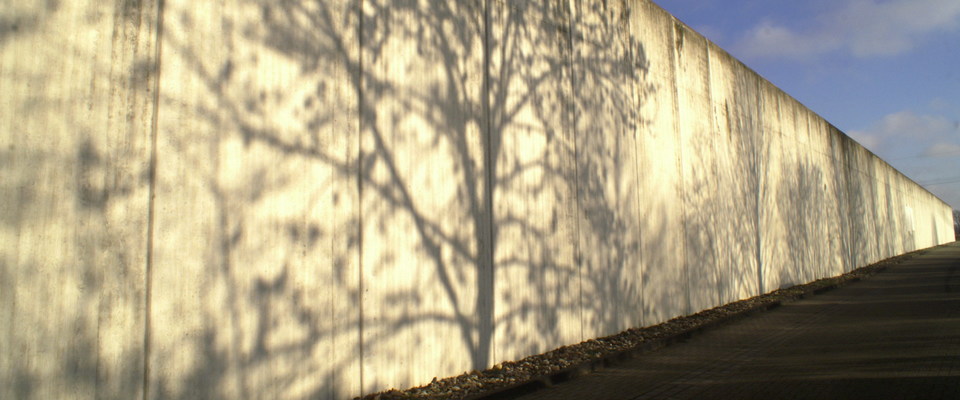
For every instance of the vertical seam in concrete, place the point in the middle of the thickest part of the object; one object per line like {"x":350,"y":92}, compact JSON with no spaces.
{"x":360,"y":111}
{"x":637,"y":175}
{"x":489,"y":179}
{"x":578,"y":257}
{"x":759,"y":171}
{"x":714,"y":132}
{"x":803,"y":152}
{"x":151,"y":203}
{"x":679,"y":137}
{"x":874,"y":187}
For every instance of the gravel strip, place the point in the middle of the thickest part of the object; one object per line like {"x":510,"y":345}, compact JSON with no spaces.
{"x":511,"y":378}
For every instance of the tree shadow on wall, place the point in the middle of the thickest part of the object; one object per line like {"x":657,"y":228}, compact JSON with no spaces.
{"x":79,"y":167}
{"x":722,"y":180}
{"x":739,"y":143}
{"x":415,"y":166}
{"x":610,"y":83}
{"x":801,"y":194}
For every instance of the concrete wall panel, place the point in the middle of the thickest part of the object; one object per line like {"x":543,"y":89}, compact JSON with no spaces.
{"x":774,"y":256}
{"x":921,"y":223}
{"x":735,"y":96}
{"x":856,"y":203}
{"x":943,"y":216}
{"x":801,"y":186}
{"x":926,"y":225}
{"x":833,"y":231}
{"x":900,"y":201}
{"x":909,"y":220}
{"x":885,"y":210}
{"x":427,"y":278}
{"x":837,"y":183}
{"x":658,"y":159}
{"x":787,"y":191}
{"x":255,"y":281}
{"x":609,"y":69}
{"x":78,"y":80}
{"x":534,"y":175}
{"x":820,"y":220}
{"x":699,"y":157}
{"x":870,"y":181}
{"x":896,"y":213}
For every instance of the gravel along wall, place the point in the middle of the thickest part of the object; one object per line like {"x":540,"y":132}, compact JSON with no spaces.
{"x":294,"y":199}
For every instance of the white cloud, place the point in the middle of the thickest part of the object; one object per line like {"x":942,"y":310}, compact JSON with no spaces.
{"x":909,"y":125}
{"x":770,"y":40}
{"x":861,"y":27}
{"x":925,"y":147}
{"x":908,"y":134}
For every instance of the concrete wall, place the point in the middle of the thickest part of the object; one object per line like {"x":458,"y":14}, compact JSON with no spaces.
{"x":263,"y":199}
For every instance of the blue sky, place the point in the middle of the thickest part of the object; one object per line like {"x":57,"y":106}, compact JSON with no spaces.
{"x":886,"y":72}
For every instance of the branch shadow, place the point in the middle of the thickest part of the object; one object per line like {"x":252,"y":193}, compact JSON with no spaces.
{"x":449,"y":162}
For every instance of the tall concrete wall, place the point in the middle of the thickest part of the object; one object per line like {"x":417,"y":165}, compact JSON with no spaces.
{"x":295,"y":199}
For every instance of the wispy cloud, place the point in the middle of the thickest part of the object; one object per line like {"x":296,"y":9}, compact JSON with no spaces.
{"x":926,"y":147}
{"x":768,"y":39}
{"x":899,"y":130}
{"x":862,"y":28}
{"x":909,"y":125}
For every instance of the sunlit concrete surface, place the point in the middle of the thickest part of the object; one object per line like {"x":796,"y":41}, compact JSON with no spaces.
{"x":321,"y":199}
{"x":659,"y":162}
{"x":78,"y":83}
{"x":255,"y":269}
{"x":537,"y":281}
{"x":609,"y":71}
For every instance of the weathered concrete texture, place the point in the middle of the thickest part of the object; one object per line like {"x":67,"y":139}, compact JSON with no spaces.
{"x":533,"y":150}
{"x":426,"y":271}
{"x":78,"y":82}
{"x":698,"y":161}
{"x":609,"y":68}
{"x":255,"y":275}
{"x":734,"y":92}
{"x":321,"y":199}
{"x":662,"y":248}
